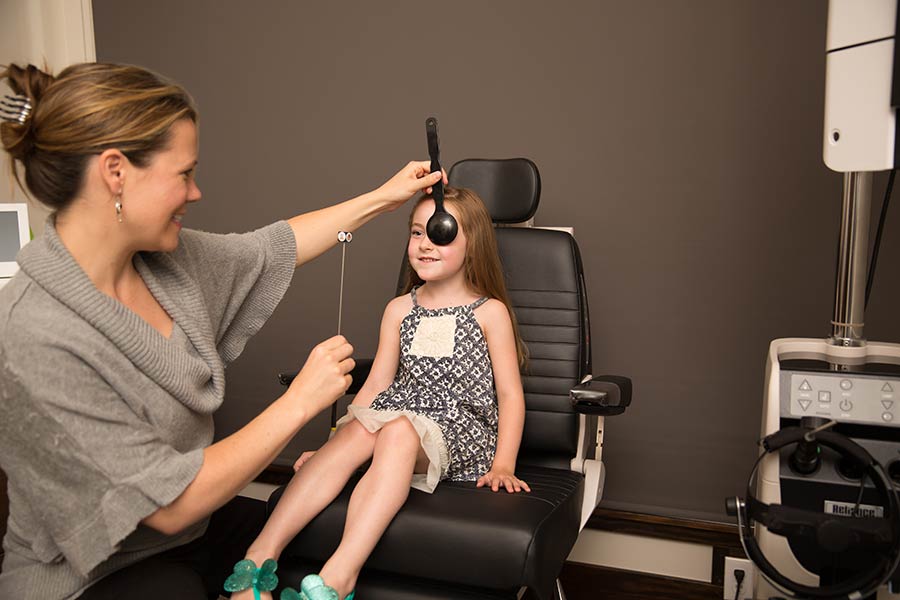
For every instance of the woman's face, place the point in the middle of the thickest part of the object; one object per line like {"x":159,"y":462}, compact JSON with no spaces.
{"x":430,"y":261}
{"x":156,"y":198}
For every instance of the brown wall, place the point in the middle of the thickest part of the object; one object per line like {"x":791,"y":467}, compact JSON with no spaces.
{"x":681,"y":138}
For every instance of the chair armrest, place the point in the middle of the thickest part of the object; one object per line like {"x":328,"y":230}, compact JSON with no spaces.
{"x":605,"y":395}
{"x":359,"y":374}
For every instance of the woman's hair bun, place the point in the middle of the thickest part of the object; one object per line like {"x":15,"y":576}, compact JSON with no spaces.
{"x":30,"y":81}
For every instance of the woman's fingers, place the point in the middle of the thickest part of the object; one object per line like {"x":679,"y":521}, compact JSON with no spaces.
{"x":325,"y":376}
{"x":423,"y":168}
{"x":443,"y":177}
{"x":414,"y":177}
{"x":428,"y":180}
{"x":338,"y":344}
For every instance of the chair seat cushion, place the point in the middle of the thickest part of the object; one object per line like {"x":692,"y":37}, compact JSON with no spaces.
{"x":475,"y":537}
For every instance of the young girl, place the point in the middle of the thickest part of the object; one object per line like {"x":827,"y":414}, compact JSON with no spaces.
{"x":443,"y":401}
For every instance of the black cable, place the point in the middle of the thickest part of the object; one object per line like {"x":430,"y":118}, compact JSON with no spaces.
{"x":862,"y":487}
{"x":870,"y":277}
{"x":739,"y":578}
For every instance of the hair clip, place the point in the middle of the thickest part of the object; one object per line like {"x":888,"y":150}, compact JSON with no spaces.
{"x":15,"y":109}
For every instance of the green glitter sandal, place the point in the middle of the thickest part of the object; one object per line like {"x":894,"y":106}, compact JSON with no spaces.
{"x":313,"y":588}
{"x":246,"y":575}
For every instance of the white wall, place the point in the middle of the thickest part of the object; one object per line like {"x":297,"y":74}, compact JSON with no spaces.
{"x":50,"y":34}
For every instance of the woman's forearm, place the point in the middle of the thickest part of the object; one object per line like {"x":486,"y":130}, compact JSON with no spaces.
{"x":230,"y":464}
{"x":317,"y":231}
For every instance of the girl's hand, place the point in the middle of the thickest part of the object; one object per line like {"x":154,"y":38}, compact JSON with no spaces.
{"x":413,"y":178}
{"x":325,"y":376}
{"x":303,"y":458}
{"x":495,"y":478}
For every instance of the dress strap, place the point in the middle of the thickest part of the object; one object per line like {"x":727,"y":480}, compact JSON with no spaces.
{"x":479,"y":302}
{"x":412,"y":293}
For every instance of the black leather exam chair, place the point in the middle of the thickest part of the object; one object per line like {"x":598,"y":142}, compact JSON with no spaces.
{"x":465,"y":542}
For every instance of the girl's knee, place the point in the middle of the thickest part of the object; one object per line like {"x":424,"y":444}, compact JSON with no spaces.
{"x":399,"y":433}
{"x":355,"y":437}
{"x":354,"y":430}
{"x":400,"y":427}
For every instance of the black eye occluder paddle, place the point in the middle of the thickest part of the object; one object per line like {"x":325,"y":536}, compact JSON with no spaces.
{"x":441,"y":227}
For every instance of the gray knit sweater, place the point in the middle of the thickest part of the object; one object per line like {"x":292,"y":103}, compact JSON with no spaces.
{"x":102,"y":419}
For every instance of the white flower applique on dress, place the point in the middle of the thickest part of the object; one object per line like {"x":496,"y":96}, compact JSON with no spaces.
{"x":434,"y":337}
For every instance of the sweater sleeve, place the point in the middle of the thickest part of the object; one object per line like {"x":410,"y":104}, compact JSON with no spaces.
{"x":242,"y":278}
{"x":87,"y":467}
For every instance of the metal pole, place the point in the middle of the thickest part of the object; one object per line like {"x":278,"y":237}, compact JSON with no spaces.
{"x":850,"y":287}
{"x":344,"y":237}
{"x":341,"y":295}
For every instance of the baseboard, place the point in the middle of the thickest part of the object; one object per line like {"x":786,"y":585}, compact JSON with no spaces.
{"x":722,"y":537}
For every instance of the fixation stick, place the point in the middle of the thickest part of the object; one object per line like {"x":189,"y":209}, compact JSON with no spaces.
{"x":344,"y":237}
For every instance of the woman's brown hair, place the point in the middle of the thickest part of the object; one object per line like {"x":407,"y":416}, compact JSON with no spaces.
{"x":86,"y":109}
{"x":483,"y":272}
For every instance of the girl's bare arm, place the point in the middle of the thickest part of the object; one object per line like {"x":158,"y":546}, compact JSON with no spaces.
{"x":501,"y":342}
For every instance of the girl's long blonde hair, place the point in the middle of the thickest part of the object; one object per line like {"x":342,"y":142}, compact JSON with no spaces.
{"x":483,"y":272}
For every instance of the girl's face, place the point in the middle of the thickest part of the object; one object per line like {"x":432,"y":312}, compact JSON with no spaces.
{"x":157,"y":197}
{"x":430,"y":261}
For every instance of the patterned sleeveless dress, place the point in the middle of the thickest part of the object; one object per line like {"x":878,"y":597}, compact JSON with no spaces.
{"x":445,"y":386}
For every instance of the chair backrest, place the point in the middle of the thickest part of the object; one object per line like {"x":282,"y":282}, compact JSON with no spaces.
{"x":545,"y":281}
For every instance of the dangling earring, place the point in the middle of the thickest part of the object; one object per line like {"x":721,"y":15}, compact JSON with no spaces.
{"x":119,"y":207}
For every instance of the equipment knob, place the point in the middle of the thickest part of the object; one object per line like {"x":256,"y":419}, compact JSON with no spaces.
{"x":805,"y":458}
{"x":732,"y":505}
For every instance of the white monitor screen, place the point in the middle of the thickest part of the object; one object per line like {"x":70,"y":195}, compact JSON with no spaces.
{"x":13,"y":235}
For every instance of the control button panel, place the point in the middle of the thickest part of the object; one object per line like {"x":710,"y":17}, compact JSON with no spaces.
{"x":846,"y":398}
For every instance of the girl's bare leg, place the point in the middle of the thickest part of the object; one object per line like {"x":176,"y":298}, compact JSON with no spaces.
{"x":378,"y":497}
{"x":313,"y":487}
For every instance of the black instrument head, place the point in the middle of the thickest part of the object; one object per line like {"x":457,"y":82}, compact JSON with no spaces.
{"x":441,"y":227}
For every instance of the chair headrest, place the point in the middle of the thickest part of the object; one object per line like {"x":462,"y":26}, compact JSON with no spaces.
{"x":510,"y":188}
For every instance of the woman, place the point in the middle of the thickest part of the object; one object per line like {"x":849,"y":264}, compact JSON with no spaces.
{"x":113,"y":341}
